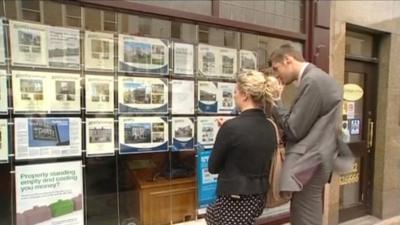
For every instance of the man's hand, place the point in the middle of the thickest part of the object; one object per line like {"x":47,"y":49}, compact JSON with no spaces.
{"x":280,"y":88}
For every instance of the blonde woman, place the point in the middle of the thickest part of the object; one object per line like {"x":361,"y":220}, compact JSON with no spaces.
{"x":242,"y":152}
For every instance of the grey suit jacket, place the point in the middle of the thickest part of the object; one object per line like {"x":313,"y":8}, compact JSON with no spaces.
{"x":310,"y":128}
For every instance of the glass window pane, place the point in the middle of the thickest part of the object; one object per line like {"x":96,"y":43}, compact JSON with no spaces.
{"x":109,"y":21}
{"x":359,"y":44}
{"x":92,"y":19}
{"x":183,"y":31}
{"x":73,"y":10}
{"x":128,"y":24}
{"x":101,"y":191}
{"x":73,"y":22}
{"x":109,"y":26}
{"x":249,"y":41}
{"x":5,"y":194}
{"x":350,"y":186}
{"x":218,"y":37}
{"x":203,"y":34}
{"x":2,"y":9}
{"x":144,"y":26}
{"x":285,"y":15}
{"x":354,"y":110}
{"x":52,"y":13}
{"x":154,"y":27}
{"x":74,"y":15}
{"x":31,"y":4}
{"x":31,"y":15}
{"x":202,"y":7}
{"x":109,"y":16}
{"x":10,"y":9}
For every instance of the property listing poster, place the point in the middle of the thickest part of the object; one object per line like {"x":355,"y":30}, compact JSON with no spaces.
{"x":99,"y":136}
{"x":47,"y":137}
{"x":207,"y":130}
{"x":142,"y":55}
{"x":207,"y":96}
{"x":45,"y":92}
{"x":182,"y":97}
{"x":228,"y":62}
{"x":226,"y":102}
{"x":143,"y":134}
{"x":183,"y":59}
{"x":2,"y":44}
{"x":182,"y":133}
{"x":99,"y":93}
{"x":99,"y":51}
{"x":64,"y":48}
{"x":208,"y":62}
{"x":66,"y":93}
{"x":206,"y":182}
{"x":28,"y":44}
{"x":216,"y":61}
{"x":3,"y":92}
{"x":248,"y":60}
{"x":31,"y":91}
{"x":49,"y":194}
{"x":142,"y":95}
{"x":3,"y":140}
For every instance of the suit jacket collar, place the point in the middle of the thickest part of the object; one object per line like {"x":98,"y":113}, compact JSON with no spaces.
{"x":306,"y":70}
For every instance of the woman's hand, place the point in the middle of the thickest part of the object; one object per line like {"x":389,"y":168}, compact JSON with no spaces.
{"x":221,"y":121}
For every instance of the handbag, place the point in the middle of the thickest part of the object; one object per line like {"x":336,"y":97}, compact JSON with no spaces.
{"x":274,"y":196}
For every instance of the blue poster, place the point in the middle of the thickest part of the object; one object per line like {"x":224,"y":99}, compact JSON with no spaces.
{"x":206,"y":182}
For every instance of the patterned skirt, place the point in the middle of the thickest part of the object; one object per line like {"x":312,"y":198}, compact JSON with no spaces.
{"x":235,"y":210}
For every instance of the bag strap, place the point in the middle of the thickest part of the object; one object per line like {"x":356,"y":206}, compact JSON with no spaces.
{"x":278,"y":139}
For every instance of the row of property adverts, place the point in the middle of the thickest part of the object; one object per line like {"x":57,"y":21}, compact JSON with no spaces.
{"x":38,"y":138}
{"x":45,"y":92}
{"x":57,"y":47}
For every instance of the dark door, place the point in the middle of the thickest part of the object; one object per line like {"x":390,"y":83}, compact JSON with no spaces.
{"x":359,"y":110}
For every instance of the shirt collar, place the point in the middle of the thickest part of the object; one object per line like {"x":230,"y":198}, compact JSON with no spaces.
{"x":301,"y":72}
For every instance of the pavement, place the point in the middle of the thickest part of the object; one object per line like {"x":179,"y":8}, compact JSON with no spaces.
{"x":366,"y":220}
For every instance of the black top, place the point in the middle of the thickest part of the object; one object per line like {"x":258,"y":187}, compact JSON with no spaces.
{"x":242,"y":154}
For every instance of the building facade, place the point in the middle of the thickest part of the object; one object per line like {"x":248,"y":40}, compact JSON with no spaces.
{"x":131,"y":89}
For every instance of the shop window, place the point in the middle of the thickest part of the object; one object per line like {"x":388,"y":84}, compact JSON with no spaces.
{"x":92,"y":19}
{"x":202,"y":7}
{"x":279,"y":14}
{"x":73,"y":15}
{"x":52,"y":13}
{"x":30,"y":10}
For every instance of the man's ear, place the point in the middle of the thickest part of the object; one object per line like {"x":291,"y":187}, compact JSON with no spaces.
{"x":287,"y":59}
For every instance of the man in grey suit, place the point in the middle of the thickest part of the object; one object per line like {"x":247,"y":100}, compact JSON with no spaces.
{"x":310,"y":133}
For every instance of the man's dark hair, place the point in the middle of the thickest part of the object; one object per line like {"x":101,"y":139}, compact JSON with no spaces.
{"x":286,"y":49}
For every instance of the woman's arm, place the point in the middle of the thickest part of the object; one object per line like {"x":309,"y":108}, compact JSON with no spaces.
{"x":220,"y":150}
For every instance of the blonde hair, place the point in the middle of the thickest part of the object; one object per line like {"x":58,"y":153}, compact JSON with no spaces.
{"x":262,"y":89}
